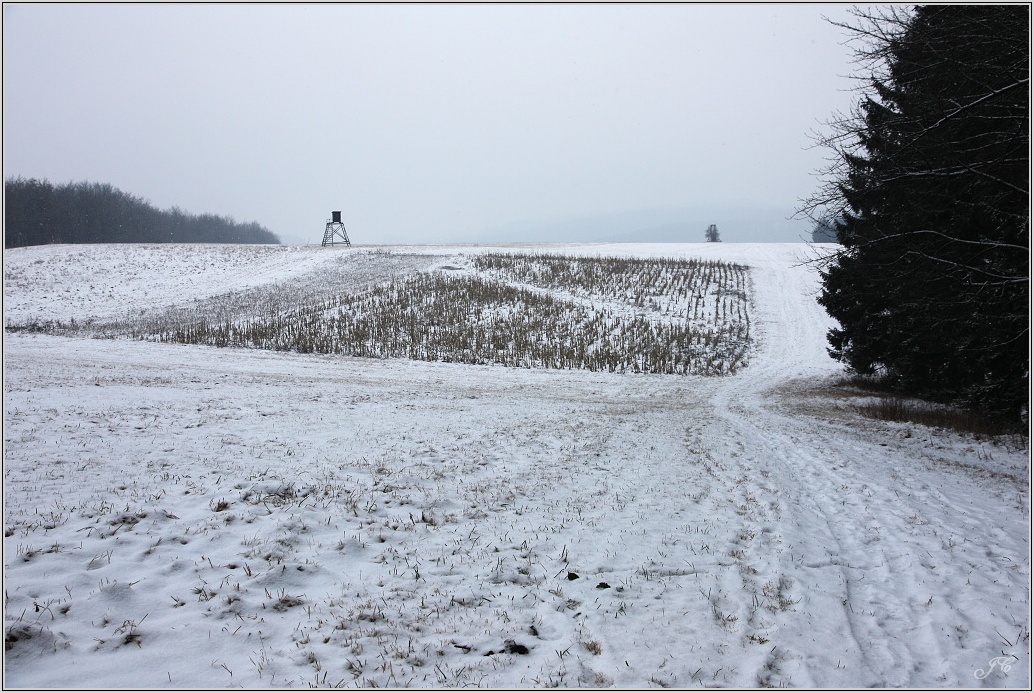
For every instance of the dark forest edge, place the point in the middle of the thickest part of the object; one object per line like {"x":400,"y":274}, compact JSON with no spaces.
{"x":36,"y":212}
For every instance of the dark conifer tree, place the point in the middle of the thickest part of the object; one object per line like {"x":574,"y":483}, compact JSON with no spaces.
{"x":931,"y":290}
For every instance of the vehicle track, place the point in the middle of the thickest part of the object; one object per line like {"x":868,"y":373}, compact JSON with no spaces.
{"x":831,"y":500}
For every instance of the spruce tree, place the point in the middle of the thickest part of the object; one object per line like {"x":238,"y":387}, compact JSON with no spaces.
{"x":931,"y":289}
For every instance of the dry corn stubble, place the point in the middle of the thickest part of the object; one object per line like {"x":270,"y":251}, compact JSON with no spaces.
{"x":663,"y":316}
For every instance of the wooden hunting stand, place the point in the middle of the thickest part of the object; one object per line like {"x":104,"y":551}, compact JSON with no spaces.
{"x":335,"y":230}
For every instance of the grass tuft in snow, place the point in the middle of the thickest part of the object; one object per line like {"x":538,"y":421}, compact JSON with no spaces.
{"x":937,"y":416}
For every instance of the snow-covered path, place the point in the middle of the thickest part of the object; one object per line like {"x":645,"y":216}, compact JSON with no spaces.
{"x":890,"y":559}
{"x":195,"y":517}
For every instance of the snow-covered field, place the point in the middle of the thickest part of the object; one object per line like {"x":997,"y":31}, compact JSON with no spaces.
{"x":183,"y":516}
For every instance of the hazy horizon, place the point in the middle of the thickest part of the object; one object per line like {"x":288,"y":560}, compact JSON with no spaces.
{"x":433,"y":123}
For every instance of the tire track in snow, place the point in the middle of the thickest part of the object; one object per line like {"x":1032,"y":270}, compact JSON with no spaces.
{"x":845,"y":513}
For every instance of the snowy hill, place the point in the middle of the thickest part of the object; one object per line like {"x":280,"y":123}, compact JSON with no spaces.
{"x":183,"y":516}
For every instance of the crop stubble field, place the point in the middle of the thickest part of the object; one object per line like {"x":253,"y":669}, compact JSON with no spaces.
{"x":652,"y":315}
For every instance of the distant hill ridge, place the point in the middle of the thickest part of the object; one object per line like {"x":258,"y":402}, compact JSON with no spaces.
{"x":37,"y":212}
{"x":737,"y":225}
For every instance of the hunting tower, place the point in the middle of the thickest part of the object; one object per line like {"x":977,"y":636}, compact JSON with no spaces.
{"x":335,"y":232}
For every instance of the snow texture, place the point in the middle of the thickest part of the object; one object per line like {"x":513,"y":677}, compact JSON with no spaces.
{"x":194,"y":517}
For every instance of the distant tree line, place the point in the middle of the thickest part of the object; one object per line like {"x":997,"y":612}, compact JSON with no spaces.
{"x":930,"y":192}
{"x":824,"y":231}
{"x":37,"y":213}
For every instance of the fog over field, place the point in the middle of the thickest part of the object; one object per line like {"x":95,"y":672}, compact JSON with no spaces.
{"x":435,"y":123}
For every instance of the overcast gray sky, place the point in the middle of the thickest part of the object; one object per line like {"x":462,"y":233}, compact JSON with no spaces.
{"x":424,"y":123}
